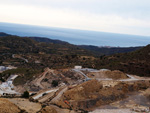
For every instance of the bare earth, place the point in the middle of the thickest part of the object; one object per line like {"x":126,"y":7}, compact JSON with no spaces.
{"x":112,"y":111}
{"x":8,"y":107}
{"x":25,"y":104}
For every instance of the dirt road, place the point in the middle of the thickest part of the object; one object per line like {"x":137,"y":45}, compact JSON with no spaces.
{"x":42,"y":92}
{"x":59,"y":95}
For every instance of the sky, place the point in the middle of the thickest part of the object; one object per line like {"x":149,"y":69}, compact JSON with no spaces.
{"x":117,"y":16}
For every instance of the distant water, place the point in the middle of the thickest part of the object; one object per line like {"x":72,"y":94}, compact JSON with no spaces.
{"x":79,"y":37}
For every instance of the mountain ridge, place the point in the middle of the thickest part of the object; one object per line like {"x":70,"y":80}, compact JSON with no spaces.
{"x":94,"y":49}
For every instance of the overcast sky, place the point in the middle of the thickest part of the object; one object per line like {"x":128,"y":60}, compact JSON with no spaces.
{"x":118,"y":16}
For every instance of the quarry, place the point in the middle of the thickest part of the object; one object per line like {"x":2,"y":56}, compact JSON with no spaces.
{"x":80,"y":90}
{"x":7,"y":87}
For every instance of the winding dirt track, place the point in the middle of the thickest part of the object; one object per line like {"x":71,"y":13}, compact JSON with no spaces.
{"x":40,"y":94}
{"x":42,"y":76}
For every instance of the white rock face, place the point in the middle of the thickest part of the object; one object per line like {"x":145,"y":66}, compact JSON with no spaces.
{"x":2,"y":68}
{"x":78,"y":67}
{"x":8,"y":87}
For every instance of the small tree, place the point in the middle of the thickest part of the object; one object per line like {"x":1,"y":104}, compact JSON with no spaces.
{"x":25,"y":94}
{"x":55,"y":83}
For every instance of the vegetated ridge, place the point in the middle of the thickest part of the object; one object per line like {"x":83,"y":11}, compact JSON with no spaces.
{"x":136,"y":62}
{"x":108,"y":50}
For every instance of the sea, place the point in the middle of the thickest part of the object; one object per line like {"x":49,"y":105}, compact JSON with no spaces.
{"x":76,"y":36}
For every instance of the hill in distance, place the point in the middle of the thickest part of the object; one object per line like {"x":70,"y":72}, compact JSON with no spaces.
{"x":3,"y":34}
{"x":108,"y":50}
{"x":54,"y":53}
{"x":93,"y":49}
{"x":59,"y":54}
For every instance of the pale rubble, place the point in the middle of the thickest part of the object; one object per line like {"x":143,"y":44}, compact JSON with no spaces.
{"x":112,"y":111}
{"x":4,"y":68}
{"x":8,"y":87}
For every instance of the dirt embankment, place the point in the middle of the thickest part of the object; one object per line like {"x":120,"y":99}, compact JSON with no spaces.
{"x":89,"y":95}
{"x":48,"y":109}
{"x":8,"y":107}
{"x":116,"y":74}
{"x":147,"y":93}
{"x":55,"y":109}
{"x":84,"y":97}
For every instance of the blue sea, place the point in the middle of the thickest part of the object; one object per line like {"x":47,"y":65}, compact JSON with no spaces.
{"x":74,"y":36}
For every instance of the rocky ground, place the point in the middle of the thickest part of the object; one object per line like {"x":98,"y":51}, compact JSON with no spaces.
{"x":103,"y":74}
{"x":136,"y":102}
{"x":44,"y":80}
{"x":67,"y":77}
{"x":106,"y":92}
{"x":90,"y":95}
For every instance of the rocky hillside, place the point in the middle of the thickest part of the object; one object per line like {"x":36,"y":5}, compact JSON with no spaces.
{"x":107,"y":74}
{"x":93,"y":94}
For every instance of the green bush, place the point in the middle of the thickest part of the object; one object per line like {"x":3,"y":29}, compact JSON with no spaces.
{"x":25,"y":94}
{"x":55,"y":83}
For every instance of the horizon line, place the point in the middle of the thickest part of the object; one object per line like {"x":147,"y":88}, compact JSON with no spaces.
{"x":74,"y":29}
